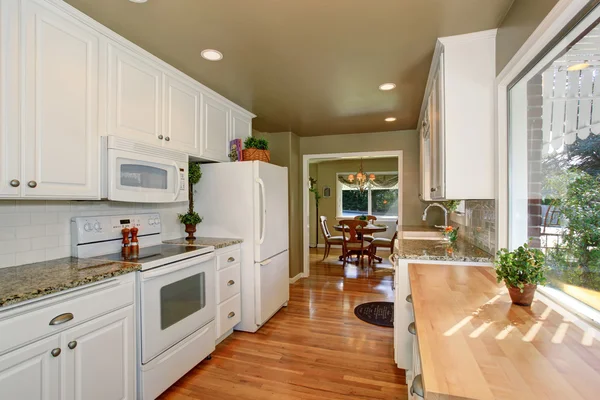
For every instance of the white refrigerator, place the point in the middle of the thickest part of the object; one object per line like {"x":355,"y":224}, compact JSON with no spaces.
{"x":249,"y":200}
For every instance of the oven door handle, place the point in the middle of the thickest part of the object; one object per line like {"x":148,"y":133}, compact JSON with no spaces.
{"x":177,"y":266}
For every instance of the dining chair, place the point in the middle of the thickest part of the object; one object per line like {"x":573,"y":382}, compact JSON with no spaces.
{"x":383,"y":243}
{"x":370,"y":218}
{"x":329,"y":240}
{"x":353,"y":240}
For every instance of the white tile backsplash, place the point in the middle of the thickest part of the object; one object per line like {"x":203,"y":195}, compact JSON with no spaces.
{"x":33,"y":231}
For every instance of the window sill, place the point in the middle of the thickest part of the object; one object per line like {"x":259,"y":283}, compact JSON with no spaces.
{"x":580,"y":310}
{"x":379,"y":219}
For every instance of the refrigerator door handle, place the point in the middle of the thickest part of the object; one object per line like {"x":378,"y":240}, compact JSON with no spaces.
{"x":263,"y":217}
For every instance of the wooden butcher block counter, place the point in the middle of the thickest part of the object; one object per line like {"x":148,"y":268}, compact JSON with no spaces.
{"x":474,"y":344}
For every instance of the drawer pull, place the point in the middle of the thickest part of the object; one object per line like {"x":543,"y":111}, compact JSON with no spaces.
{"x":15,"y":183}
{"x":61,"y":319}
{"x":32,"y":184}
{"x":55,"y":352}
{"x":417,"y":386}
{"x":231,"y":315}
{"x":412,"y":328}
{"x":231,"y":282}
{"x":230,"y":259}
{"x":72,"y":344}
{"x":409,"y":298}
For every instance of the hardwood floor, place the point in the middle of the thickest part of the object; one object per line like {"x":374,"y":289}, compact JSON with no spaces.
{"x":313,"y":349}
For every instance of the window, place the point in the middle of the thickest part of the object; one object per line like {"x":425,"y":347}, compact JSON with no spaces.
{"x":380,"y":199}
{"x":554,"y":162}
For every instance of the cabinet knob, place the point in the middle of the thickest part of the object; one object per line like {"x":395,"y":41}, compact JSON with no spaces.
{"x":160,"y":137}
{"x":231,"y":282}
{"x":433,"y":189}
{"x":55,"y":352}
{"x":230,"y":259}
{"x":409,"y":298}
{"x":72,"y":344}
{"x":231,"y":315}
{"x":412,"y":328}
{"x":15,"y":183}
{"x":32,"y":184}
{"x":417,"y":386}
{"x":167,"y":138}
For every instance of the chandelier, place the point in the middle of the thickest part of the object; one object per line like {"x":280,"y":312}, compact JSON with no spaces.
{"x":362,"y":179}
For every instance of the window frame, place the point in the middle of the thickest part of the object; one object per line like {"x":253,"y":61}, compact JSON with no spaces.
{"x":338,"y":197}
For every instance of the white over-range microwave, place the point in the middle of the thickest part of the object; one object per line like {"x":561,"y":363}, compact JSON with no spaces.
{"x":137,"y":172}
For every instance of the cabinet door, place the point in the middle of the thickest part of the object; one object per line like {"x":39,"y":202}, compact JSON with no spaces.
{"x":182,"y":116}
{"x":31,"y":372}
{"x":215,"y":132}
{"x":10,"y":174}
{"x":134,"y":96}
{"x":60,"y":145}
{"x":99,"y":358}
{"x":241,"y":126}
{"x":437,"y":145}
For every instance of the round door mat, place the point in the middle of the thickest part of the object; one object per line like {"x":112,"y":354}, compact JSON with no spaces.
{"x":377,"y":313}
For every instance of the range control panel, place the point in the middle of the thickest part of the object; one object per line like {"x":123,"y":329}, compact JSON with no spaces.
{"x":108,"y":227}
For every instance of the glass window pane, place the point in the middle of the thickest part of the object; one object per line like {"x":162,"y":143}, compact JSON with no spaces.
{"x":355,"y":202}
{"x":384,"y":202}
{"x":143,"y":176}
{"x":181,"y":299}
{"x":555,"y":167}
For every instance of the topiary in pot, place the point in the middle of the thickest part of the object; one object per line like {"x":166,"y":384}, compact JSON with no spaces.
{"x":521,"y":270}
{"x":191,"y":218}
{"x":256,"y":149}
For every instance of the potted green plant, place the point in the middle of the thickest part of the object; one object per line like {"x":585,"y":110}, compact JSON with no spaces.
{"x":256,"y":149}
{"x":191,"y":218}
{"x":521,"y":270}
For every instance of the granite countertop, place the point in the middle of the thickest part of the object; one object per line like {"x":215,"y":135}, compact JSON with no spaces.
{"x":436,"y":250}
{"x":217,"y":243}
{"x":30,"y":281}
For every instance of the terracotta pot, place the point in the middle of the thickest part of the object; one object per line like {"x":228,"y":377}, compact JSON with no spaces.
{"x":190,"y":230}
{"x":522,"y":299}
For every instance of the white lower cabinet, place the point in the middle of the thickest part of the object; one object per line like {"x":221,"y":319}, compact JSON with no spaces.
{"x":31,"y":372}
{"x":229,"y":300}
{"x":84,"y":356}
{"x":102,"y":348}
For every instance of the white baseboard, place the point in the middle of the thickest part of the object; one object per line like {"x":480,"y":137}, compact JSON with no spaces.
{"x":296,"y":278}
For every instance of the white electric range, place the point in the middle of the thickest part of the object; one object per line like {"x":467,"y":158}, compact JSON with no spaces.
{"x":175,"y":295}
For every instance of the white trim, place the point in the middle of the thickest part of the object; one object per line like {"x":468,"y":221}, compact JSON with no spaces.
{"x":305,"y":199}
{"x":296,"y":278}
{"x":563,"y":12}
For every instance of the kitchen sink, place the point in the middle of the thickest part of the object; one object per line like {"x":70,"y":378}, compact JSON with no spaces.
{"x":422,"y":235}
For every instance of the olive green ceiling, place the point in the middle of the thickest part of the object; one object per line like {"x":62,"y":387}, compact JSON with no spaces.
{"x":308,"y":66}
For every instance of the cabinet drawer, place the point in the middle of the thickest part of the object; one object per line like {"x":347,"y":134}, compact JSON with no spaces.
{"x":34,"y":322}
{"x":228,"y":314}
{"x":228,"y":283}
{"x":226,"y":259}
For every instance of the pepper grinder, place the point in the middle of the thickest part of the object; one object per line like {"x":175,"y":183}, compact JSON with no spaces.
{"x":135,"y":245}
{"x":125,"y":248}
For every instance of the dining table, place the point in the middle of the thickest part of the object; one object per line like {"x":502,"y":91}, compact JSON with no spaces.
{"x":360,"y":231}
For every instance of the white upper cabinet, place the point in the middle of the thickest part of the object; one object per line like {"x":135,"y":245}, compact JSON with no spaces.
{"x":460,"y":103}
{"x":59,"y":116}
{"x":10,"y":174}
{"x":241,"y":125}
{"x":182,"y":116}
{"x":215,"y":132}
{"x":134,"y":109}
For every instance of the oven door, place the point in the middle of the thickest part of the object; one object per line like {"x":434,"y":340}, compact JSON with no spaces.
{"x":176,"y":300}
{"x":145,"y":178}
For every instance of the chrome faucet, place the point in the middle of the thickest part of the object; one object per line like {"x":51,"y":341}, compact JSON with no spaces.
{"x":440,"y":206}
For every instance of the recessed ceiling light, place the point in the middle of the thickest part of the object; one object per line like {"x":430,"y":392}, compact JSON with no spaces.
{"x":390,"y":119}
{"x":387,"y":86}
{"x":138,"y":1}
{"x":211,"y":55}
{"x":578,"y":67}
